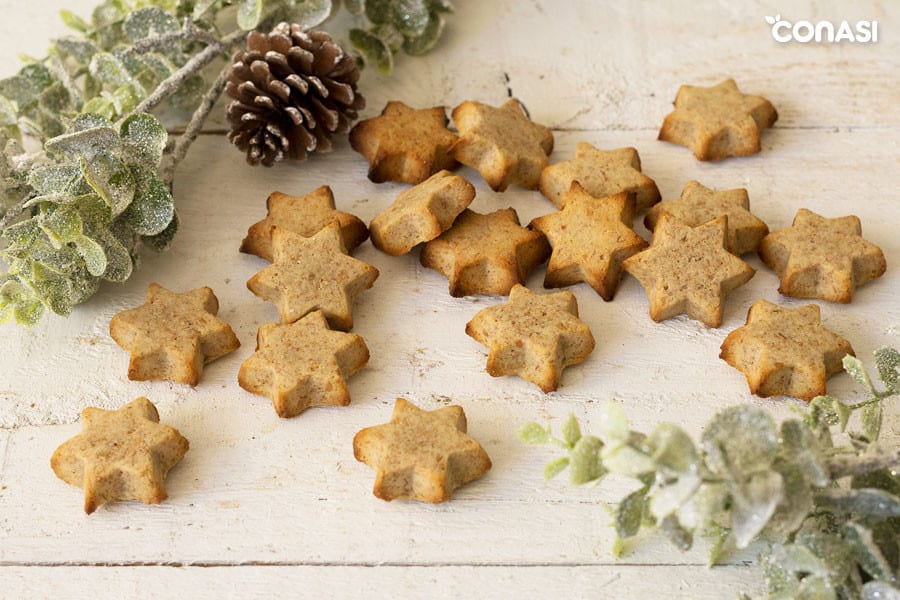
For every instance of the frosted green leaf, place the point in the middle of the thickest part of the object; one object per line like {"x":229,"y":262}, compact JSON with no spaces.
{"x":585,"y":465}
{"x":106,"y":68}
{"x":100,"y":106}
{"x":373,"y":48}
{"x":428,"y":38}
{"x":887,"y":361}
{"x":49,"y":179}
{"x":118,"y":259}
{"x":440,"y":6}
{"x":673,"y":448}
{"x":829,"y":410}
{"x":55,"y":99}
{"x":379,"y":11}
{"x":871,"y":420}
{"x":794,"y":559}
{"x":799,"y":446}
{"x":355,"y":7}
{"x":54,"y":290}
{"x":189,"y":93}
{"x":626,"y":460}
{"x":666,"y":498}
{"x":613,"y":424}
{"x":93,"y":255}
{"x":629,"y":513}
{"x":108,"y":13}
{"x":796,"y":501}
{"x":18,"y":303}
{"x":155,"y":67}
{"x":86,"y":144}
{"x":571,"y":431}
{"x":678,"y":535}
{"x":152,"y":208}
{"x":147,"y":22}
{"x":86,"y":122}
{"x":24,"y":87}
{"x":249,"y":14}
{"x":707,"y":501}
{"x":880,"y":590}
{"x":143,"y":139}
{"x":73,"y":21}
{"x":740,"y":440}
{"x":8,"y":114}
{"x":389,"y":35}
{"x":869,"y":502}
{"x":835,"y":554}
{"x":555,"y":467}
{"x":309,"y":13}
{"x":866,"y":551}
{"x":754,"y":502}
{"x":534,"y":434}
{"x":882,"y":479}
{"x":857,"y":371}
{"x":124,"y":98}
{"x":411,"y":17}
{"x":62,"y":225}
{"x":111,"y":179}
{"x":201,"y":7}
{"x":79,"y":49}
{"x":162,"y":241}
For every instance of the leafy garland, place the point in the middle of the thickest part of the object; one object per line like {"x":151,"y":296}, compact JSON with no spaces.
{"x":751,"y":480}
{"x":78,"y":209}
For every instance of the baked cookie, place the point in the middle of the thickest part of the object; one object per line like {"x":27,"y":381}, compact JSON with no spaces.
{"x":171,"y":336}
{"x":420,"y":454}
{"x":534,"y":336}
{"x":313,"y":273}
{"x":687,"y":270}
{"x":503,"y":144}
{"x":421,"y":213}
{"x":590,"y":239}
{"x":717,"y":122}
{"x":120,"y":454}
{"x":601,"y":173}
{"x":303,"y":364}
{"x":699,"y":204}
{"x":822,"y":258}
{"x":405,"y":144}
{"x":785,"y":351}
{"x":485,"y":254}
{"x":305,"y":215}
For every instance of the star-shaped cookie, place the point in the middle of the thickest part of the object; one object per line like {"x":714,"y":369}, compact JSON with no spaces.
{"x":699,"y":204}
{"x":305,"y":215}
{"x":421,"y":213}
{"x":303,"y":364}
{"x":822,"y":258}
{"x":485,"y":254}
{"x":687,"y":270}
{"x":717,"y":122}
{"x":590,"y":239}
{"x":120,"y":454}
{"x":171,"y":336}
{"x":601,"y":173}
{"x":420,"y":454}
{"x":503,"y":144}
{"x":534,"y":336}
{"x":405,"y":144}
{"x":785,"y":351}
{"x":313,"y":273}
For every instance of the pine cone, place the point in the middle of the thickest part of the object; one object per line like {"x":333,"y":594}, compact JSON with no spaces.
{"x":292,"y":89}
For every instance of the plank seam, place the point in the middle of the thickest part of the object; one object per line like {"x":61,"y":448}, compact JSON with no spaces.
{"x":355,"y":564}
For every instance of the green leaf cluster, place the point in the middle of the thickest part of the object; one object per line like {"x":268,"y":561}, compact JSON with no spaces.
{"x":830,"y":514}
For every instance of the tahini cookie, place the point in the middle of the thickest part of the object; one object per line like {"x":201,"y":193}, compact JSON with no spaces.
{"x":421,"y":213}
{"x":405,"y":144}
{"x":120,"y":454}
{"x":534,"y":336}
{"x":785,"y":351}
{"x":171,"y":336}
{"x":503,"y":144}
{"x":718,"y":121}
{"x":421,"y":455}
{"x":822,"y":258}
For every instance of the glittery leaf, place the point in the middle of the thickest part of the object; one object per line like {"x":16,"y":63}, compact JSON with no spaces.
{"x":152,"y":208}
{"x":111,"y":179}
{"x":147,"y":22}
{"x":143,"y":139}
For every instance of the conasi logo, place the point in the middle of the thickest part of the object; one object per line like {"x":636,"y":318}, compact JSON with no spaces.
{"x":862,"y":32}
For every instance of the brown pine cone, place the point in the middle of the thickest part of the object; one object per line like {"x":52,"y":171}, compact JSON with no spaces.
{"x":292,"y":89}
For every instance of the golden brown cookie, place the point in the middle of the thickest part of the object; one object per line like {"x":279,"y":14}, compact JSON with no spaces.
{"x":420,"y":454}
{"x":171,"y":336}
{"x":313,"y":273}
{"x":785,"y":351}
{"x":590,"y":239}
{"x":822,"y":258}
{"x":687,"y":270}
{"x":503,"y":144}
{"x":718,"y":121}
{"x":485,"y":254}
{"x":303,"y":364}
{"x":305,"y":215}
{"x":601,"y":173}
{"x":120,"y":454}
{"x":405,"y":144}
{"x":699,"y":204}
{"x":534,"y":336}
{"x":421,"y":213}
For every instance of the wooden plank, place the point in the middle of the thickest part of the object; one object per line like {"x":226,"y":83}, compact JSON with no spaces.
{"x":338,"y":582}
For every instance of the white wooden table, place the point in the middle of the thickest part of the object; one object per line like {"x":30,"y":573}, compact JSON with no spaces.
{"x":262,"y":505}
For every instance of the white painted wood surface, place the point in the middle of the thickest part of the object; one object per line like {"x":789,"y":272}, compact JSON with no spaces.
{"x":264,"y":505}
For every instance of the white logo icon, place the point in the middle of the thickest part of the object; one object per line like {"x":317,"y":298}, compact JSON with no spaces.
{"x":861,"y":32}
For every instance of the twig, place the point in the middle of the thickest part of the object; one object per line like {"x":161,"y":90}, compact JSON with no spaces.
{"x":842,"y":466}
{"x":194,"y":125}
{"x":188,"y":33}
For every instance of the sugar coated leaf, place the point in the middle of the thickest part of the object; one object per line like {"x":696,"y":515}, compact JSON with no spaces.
{"x":73,"y":21}
{"x":887,"y":361}
{"x":106,"y":68}
{"x":666,"y":498}
{"x":796,"y":500}
{"x":87,"y":143}
{"x":830,"y":411}
{"x":152,"y":208}
{"x":111,"y":179}
{"x":309,"y":13}
{"x":613,"y":424}
{"x":871,"y":420}
{"x":754,"y":501}
{"x":147,"y":22}
{"x":673,"y":449}
{"x":429,"y":37}
{"x":201,"y":7}
{"x":629,"y":513}
{"x":585,"y":465}
{"x":410,"y":17}
{"x":249,"y":14}
{"x":626,"y":460}
{"x":571,"y":431}
{"x":534,"y":434}
{"x":118,"y":259}
{"x":866,"y":551}
{"x":555,"y":467}
{"x":373,"y":48}
{"x":740,"y":440}
{"x":870,"y":502}
{"x":79,"y":49}
{"x":857,"y":371}
{"x":143,"y":139}
{"x":355,"y":7}
{"x":379,"y":11}
{"x":880,"y":590}
{"x":50,"y":179}
{"x":799,"y":445}
{"x":162,"y":241}
{"x":93,"y":255}
{"x":677,"y":534}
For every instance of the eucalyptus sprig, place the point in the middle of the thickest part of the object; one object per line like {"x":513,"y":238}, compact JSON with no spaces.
{"x":830,"y":514}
